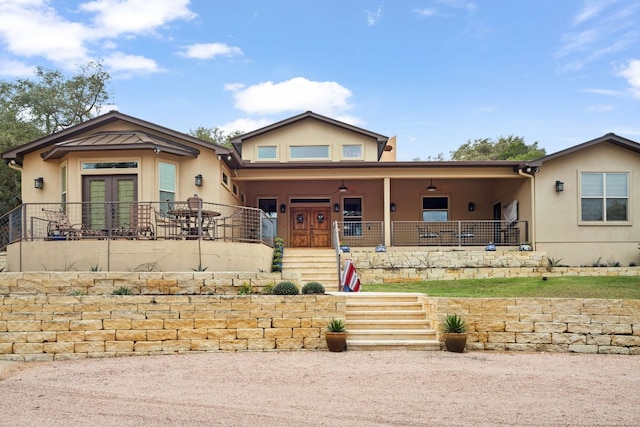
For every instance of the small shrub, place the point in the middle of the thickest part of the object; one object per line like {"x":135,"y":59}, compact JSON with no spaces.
{"x":313,"y":288}
{"x":200,"y":268}
{"x":268,"y":289}
{"x":336,"y":325}
{"x":77,"y":293}
{"x":245,"y":289}
{"x":121,"y":291}
{"x":285,"y":288}
{"x":453,"y":324}
{"x":95,"y":268}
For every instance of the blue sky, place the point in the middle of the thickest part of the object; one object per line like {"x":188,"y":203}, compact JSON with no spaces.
{"x":434,"y":73}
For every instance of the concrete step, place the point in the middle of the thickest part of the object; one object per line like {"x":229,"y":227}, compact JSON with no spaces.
{"x":391,"y":334}
{"x":373,"y":345}
{"x":390,"y":324}
{"x":385,"y":314}
{"x":378,"y":305}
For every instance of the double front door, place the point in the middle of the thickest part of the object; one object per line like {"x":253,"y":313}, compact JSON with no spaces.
{"x":310,"y":227}
{"x":109,"y":200}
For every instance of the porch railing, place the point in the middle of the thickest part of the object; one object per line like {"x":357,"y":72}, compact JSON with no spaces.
{"x":361,"y":233}
{"x":458,"y":233}
{"x":193,"y":219}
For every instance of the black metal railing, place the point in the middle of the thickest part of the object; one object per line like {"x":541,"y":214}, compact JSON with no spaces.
{"x":192,"y":219}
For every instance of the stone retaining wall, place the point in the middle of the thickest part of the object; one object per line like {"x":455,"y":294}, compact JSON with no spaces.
{"x":546,"y":324}
{"x":148,"y":283}
{"x":43,"y":328}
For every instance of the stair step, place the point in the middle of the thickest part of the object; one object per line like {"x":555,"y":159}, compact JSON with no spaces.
{"x":428,"y":345}
{"x":383,"y":306}
{"x":386,"y":314}
{"x":390,"y":324}
{"x":391,"y":334}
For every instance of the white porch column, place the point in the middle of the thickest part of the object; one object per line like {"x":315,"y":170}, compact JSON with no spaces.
{"x":387,"y":211}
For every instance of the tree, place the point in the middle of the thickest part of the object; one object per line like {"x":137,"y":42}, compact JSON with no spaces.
{"x":505,"y":148}
{"x":214,"y":135}
{"x":32,"y":108}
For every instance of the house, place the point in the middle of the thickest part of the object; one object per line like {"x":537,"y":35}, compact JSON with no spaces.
{"x":313,"y":181}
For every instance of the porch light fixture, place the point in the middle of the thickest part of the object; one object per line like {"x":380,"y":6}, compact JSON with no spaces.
{"x":392,"y":207}
{"x":343,"y":188}
{"x":336,"y":207}
{"x":156,"y":149}
{"x":38,"y":183}
{"x":199,"y":180}
{"x":227,"y":157}
{"x":431,"y":187}
{"x":283,"y":208}
{"x":559,"y":186}
{"x":471,"y":206}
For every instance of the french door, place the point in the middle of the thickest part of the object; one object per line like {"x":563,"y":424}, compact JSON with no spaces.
{"x":109,"y":199}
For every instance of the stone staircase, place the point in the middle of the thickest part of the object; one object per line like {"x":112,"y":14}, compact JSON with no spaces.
{"x":388,"y":321}
{"x":313,"y":265}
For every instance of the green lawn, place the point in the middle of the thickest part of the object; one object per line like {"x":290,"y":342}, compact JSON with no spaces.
{"x":553,"y":287}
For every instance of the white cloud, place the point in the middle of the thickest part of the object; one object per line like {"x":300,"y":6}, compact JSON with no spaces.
{"x":297,"y":94}
{"x":373,"y":17}
{"x":591,"y":10}
{"x":631,"y":71}
{"x":600,"y":107}
{"x":425,"y":12}
{"x":604,"y":92}
{"x":210,"y":50}
{"x":245,"y":125}
{"x":131,"y":64}
{"x":234,"y":86}
{"x":116,"y":17}
{"x":35,"y":29}
{"x":13,"y":68}
{"x":459,"y":4}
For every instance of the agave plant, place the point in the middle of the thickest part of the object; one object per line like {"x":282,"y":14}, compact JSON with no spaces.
{"x":453,"y":324}
{"x":336,"y":325}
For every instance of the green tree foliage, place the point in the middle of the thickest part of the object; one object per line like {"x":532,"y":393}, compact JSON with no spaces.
{"x":50,"y":102}
{"x":214,"y":135}
{"x":505,"y":148}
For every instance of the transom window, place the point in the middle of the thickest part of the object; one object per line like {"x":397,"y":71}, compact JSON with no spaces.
{"x":109,"y":165}
{"x":604,"y":196}
{"x":352,"y":151}
{"x":267,"y":152}
{"x":309,"y":152}
{"x":435,"y":209}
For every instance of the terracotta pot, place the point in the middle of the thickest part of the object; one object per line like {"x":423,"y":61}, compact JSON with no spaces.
{"x":336,"y":341}
{"x":455,"y":342}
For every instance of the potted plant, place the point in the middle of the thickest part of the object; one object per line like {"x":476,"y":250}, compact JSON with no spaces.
{"x":455,"y":337}
{"x":336,"y":335}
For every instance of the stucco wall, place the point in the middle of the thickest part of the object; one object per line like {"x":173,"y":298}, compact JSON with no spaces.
{"x":138,"y":255}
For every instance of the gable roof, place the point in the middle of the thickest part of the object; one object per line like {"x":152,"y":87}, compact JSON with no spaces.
{"x":380,"y":139}
{"x":611,"y":138}
{"x":74,"y":132}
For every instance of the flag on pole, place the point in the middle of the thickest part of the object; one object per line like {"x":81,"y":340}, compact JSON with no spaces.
{"x":349,"y":282}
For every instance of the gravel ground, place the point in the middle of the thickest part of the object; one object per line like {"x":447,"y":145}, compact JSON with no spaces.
{"x":354,"y":388}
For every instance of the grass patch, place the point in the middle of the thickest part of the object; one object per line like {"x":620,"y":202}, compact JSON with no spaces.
{"x":608,"y":287}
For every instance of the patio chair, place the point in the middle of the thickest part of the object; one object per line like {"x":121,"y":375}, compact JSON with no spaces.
{"x":59,"y":226}
{"x":425,"y":233}
{"x":228,"y":223}
{"x":140,"y":221}
{"x":169,"y":224}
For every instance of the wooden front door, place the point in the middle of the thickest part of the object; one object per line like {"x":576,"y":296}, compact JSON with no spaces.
{"x":310,"y":227}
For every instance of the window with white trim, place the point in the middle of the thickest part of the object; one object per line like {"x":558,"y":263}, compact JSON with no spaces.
{"x":167,"y":181}
{"x":604,"y":197}
{"x":63,"y":184}
{"x":309,"y":152}
{"x":267,"y":152}
{"x":351,"y":151}
{"x":352,"y":216}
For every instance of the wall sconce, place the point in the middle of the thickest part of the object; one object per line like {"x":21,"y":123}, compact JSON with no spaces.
{"x":199,"y":180}
{"x":471,"y":206}
{"x":392,"y":207}
{"x":559,"y":186}
{"x":336,"y":207}
{"x":228,"y":157}
{"x":156,"y":150}
{"x":283,"y":208}
{"x":38,"y":183}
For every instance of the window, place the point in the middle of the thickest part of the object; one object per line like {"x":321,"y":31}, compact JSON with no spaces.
{"x":604,"y":196}
{"x":225,"y":178}
{"x":63,"y":184}
{"x":270,"y":223}
{"x":352,"y":216}
{"x":267,"y":152}
{"x":352,"y":151}
{"x":167,"y":184}
{"x":235,"y":189}
{"x":309,"y":151}
{"x":109,"y":165}
{"x":435,"y":209}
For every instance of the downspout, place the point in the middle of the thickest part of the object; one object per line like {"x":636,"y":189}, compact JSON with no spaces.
{"x":533,"y":207}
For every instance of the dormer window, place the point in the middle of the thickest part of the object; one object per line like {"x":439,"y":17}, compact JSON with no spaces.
{"x":267,"y":152}
{"x":352,"y":152}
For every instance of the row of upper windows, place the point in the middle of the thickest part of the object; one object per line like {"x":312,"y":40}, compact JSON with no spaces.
{"x":308,"y":152}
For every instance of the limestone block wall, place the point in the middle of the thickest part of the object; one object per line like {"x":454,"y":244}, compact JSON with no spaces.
{"x":50,"y":327}
{"x":546,"y":324}
{"x":148,"y":283}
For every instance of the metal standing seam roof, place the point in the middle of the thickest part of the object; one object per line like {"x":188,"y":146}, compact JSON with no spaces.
{"x":126,"y":140}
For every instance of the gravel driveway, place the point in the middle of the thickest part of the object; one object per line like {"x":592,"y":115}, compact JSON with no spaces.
{"x":355,"y":388}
